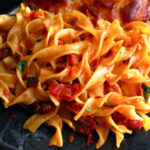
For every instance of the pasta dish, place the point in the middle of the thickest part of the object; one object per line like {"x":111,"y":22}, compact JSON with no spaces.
{"x":91,"y":76}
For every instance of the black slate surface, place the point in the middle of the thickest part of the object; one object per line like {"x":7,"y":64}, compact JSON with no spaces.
{"x":14,"y":137}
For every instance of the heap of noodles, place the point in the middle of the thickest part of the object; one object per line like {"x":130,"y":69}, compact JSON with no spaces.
{"x":94,"y":76}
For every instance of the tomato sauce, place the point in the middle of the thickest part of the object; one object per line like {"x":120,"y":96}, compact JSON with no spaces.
{"x":43,"y":107}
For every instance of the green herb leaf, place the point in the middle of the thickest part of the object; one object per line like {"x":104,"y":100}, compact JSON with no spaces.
{"x":146,"y":88}
{"x":98,"y":108}
{"x":72,"y":0}
{"x":108,"y":103}
{"x":39,"y":40}
{"x":11,"y":14}
{"x":21,"y":66}
{"x":64,"y":43}
{"x":29,"y":81}
{"x":146,"y":91}
{"x":88,"y":109}
{"x":34,"y":8}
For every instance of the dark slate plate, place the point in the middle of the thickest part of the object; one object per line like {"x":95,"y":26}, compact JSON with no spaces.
{"x":14,"y":137}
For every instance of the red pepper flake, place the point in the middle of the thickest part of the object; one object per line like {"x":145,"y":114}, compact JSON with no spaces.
{"x":72,"y":71}
{"x":25,"y":95}
{"x":65,"y":92}
{"x":14,"y":116}
{"x":73,"y":59}
{"x":88,"y":13}
{"x":71,"y":138}
{"x":60,"y":42}
{"x":6,"y":93}
{"x":94,"y":21}
{"x":90,"y":139}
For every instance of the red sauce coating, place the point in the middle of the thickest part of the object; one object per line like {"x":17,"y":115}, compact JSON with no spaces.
{"x":86,"y":125}
{"x":65,"y":92}
{"x":43,"y":107}
{"x":130,"y":124}
{"x":74,"y":105}
{"x":6,"y":93}
{"x":73,"y":59}
{"x":4,"y":53}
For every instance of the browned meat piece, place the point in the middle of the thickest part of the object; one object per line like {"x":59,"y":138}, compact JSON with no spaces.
{"x":123,"y":10}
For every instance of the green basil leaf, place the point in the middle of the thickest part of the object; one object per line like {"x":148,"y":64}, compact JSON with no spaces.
{"x":146,"y":91}
{"x":34,"y":8}
{"x":29,"y":81}
{"x":108,"y":103}
{"x":39,"y":40}
{"x":146,"y":88}
{"x":146,"y":95}
{"x":21,"y":66}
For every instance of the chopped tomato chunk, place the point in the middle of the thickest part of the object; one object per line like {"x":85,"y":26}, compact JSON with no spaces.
{"x":130,"y":124}
{"x":73,"y":59}
{"x":60,"y":42}
{"x":43,"y":107}
{"x":65,"y":92}
{"x":74,"y":105}
{"x":6,"y":93}
{"x":86,"y":125}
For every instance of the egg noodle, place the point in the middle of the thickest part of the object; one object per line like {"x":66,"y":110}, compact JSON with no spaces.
{"x":73,"y":71}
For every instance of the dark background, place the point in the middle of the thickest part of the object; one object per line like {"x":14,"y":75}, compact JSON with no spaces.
{"x":14,"y":137}
{"x":8,"y":5}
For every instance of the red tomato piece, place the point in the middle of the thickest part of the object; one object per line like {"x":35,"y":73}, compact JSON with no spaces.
{"x":86,"y":125}
{"x":130,"y":124}
{"x":65,"y":92}
{"x":73,"y":59}
{"x":43,"y":107}
{"x":74,"y":105}
{"x":117,"y":117}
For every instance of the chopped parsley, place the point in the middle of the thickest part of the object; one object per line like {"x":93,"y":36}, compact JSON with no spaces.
{"x":21,"y":66}
{"x":88,"y":109}
{"x":98,"y":108}
{"x":146,"y":91}
{"x":108,"y":103}
{"x":39,"y":40}
{"x":29,"y":81}
{"x":34,"y":8}
{"x":11,"y":14}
